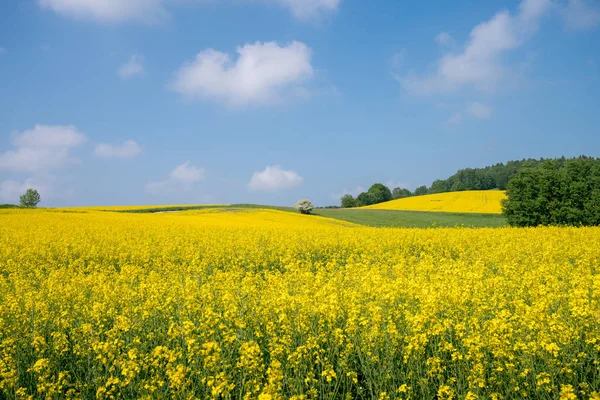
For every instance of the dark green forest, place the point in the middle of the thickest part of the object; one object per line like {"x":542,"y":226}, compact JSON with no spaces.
{"x":555,"y":192}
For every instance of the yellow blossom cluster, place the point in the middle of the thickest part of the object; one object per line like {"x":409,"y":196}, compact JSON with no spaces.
{"x":263,"y":304}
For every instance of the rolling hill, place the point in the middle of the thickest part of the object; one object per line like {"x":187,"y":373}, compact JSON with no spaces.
{"x":472,"y":201}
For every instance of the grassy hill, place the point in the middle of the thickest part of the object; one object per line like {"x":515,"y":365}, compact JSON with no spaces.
{"x":473,"y":201}
{"x":413,"y":219}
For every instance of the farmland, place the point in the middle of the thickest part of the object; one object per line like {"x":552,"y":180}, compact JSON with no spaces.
{"x":473,"y":201}
{"x":258,"y":303}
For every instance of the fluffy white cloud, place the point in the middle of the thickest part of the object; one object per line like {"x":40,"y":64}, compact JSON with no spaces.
{"x":128,"y":149}
{"x":41,"y":149}
{"x":133,"y":67}
{"x":149,"y":11}
{"x":581,"y":14}
{"x":182,"y":178}
{"x":480,"y":63}
{"x":479,"y":110}
{"x":262,"y":73}
{"x":273,"y":178}
{"x":152,"y":11}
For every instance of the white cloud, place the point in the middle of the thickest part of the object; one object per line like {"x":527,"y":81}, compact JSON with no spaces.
{"x":581,"y":14}
{"x":443,"y":38}
{"x":153,"y":11}
{"x":128,"y":149}
{"x":273,"y":179}
{"x":305,"y":9}
{"x":42,"y":148}
{"x":147,"y":11}
{"x":133,"y":67}
{"x":480,"y":63}
{"x":479,"y":111}
{"x":263,"y":73}
{"x":454,"y":119}
{"x":182,"y":178}
{"x":186,"y":173}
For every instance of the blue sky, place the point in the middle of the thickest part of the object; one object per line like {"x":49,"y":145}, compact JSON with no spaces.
{"x":269,"y":101}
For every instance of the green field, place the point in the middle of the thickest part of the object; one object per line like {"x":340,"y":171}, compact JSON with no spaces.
{"x":376,"y":218}
{"x":412,"y":219}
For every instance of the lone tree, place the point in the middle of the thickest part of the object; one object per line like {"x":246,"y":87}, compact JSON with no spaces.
{"x":304,"y":206}
{"x":30,"y":198}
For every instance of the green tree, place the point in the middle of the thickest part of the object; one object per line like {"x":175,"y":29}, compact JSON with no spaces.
{"x":364,"y":199}
{"x":348,"y":201}
{"x":421,"y":190}
{"x":399,"y":193}
{"x":439,"y":186}
{"x":30,"y":198}
{"x":380,"y":193}
{"x":555,"y":192}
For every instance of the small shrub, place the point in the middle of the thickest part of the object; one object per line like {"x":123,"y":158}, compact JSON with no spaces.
{"x":304,"y":206}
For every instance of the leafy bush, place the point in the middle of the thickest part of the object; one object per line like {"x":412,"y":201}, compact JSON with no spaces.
{"x":304,"y":206}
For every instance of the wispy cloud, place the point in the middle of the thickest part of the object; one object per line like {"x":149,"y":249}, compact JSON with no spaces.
{"x":127,"y":149}
{"x":481,"y":62}
{"x":582,"y":14}
{"x":156,"y":11}
{"x":182,"y":178}
{"x":132,"y":68}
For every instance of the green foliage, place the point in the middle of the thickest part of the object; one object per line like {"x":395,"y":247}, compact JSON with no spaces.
{"x":377,"y":193}
{"x":555,"y":192}
{"x":380,"y":193}
{"x":399,"y":193}
{"x":491,"y":177}
{"x":30,"y":198}
{"x":439,"y":186}
{"x":348,"y":201}
{"x":8,"y":206}
{"x":364,"y":199}
{"x":421,"y":190}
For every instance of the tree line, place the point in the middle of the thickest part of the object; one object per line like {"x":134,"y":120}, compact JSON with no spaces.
{"x":561,"y":191}
{"x":555,"y":192}
{"x":492,"y":177}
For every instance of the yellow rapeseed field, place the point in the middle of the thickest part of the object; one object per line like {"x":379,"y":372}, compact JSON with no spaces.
{"x":272,"y":305}
{"x":473,"y":201}
{"x":129,"y":208}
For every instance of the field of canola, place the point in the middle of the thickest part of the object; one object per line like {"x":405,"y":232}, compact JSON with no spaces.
{"x":272,"y":305}
{"x":473,"y":201}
